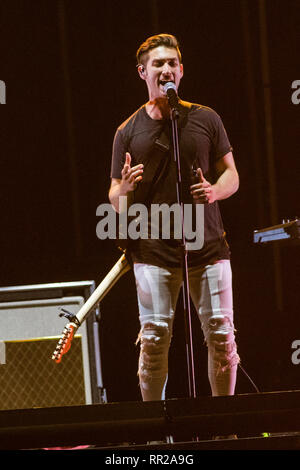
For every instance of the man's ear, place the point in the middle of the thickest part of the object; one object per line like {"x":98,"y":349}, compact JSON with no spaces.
{"x":142,"y":71}
{"x":181,"y":70}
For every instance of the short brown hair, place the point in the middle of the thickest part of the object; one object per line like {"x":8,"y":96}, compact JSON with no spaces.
{"x":167,"y":40}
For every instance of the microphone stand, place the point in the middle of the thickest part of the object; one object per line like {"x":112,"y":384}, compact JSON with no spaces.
{"x":184,"y":259}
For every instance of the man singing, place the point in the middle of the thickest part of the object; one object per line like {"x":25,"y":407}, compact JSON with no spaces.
{"x":143,"y":170}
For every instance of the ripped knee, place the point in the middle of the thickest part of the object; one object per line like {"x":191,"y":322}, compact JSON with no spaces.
{"x":154,"y":341}
{"x":221,"y":343}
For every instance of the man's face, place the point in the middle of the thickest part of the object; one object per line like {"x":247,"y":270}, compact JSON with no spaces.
{"x":162,"y":66}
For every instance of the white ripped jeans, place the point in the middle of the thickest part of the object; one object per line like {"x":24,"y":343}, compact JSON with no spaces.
{"x":211,"y":292}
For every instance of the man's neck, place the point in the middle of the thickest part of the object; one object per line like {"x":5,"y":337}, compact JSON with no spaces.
{"x":158,"y":108}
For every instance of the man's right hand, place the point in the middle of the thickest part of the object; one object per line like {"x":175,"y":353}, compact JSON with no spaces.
{"x":127,"y":184}
{"x":130,"y":176}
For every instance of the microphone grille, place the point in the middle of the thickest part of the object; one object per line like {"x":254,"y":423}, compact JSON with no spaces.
{"x":170,"y":86}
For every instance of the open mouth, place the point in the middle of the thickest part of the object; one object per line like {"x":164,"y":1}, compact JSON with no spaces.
{"x":162,"y":83}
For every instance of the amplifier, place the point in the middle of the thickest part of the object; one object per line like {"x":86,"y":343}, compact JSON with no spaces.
{"x":30,"y":327}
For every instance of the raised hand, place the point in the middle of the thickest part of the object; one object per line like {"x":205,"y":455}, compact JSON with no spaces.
{"x":203,"y":192}
{"x":130,"y":176}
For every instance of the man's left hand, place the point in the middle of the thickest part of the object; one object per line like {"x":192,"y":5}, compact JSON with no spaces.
{"x":203,"y":192}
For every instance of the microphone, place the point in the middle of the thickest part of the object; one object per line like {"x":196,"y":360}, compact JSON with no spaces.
{"x":171,"y":92}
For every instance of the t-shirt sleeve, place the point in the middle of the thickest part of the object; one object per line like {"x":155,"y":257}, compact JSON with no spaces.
{"x":118,"y":155}
{"x":220,"y":139}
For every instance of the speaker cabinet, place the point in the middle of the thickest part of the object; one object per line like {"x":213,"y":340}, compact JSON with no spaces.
{"x":30,"y":327}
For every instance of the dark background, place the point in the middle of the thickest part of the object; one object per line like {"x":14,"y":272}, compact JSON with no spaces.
{"x":69,"y":69}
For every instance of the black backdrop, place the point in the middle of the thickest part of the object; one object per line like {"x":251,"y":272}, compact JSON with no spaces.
{"x":70,"y":75}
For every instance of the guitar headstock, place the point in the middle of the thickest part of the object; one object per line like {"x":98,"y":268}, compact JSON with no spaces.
{"x":65,"y":341}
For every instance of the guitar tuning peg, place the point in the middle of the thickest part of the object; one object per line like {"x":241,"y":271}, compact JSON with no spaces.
{"x":69,"y":315}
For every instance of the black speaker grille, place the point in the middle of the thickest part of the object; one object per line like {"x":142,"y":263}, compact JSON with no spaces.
{"x":29,"y":378}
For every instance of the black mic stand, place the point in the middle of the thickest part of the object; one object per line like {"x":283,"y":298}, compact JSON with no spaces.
{"x":184,"y":259}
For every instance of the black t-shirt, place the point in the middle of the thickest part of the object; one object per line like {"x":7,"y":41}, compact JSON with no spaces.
{"x":202,"y":141}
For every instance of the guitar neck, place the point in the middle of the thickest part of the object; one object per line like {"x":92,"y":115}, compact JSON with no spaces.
{"x":117,"y":271}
